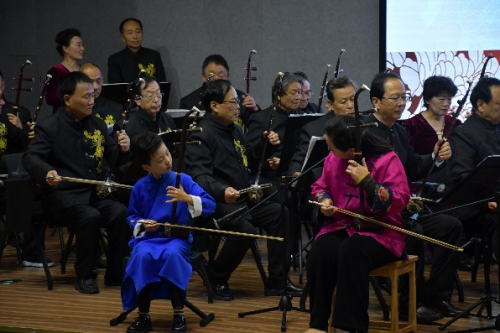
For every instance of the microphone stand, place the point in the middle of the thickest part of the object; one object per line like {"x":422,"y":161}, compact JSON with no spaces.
{"x":285,"y":303}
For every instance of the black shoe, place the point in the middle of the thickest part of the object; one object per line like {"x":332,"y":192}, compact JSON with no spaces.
{"x":179,"y":324}
{"x":141,"y":324}
{"x":445,"y":308}
{"x":222,"y":292}
{"x":425,"y":315}
{"x":87,"y":285}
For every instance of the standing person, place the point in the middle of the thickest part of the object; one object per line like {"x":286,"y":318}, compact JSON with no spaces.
{"x":342,"y":257}
{"x":389,"y":97}
{"x":305,"y":105}
{"x":217,"y":66}
{"x":75,"y":143}
{"x":220,"y":165}
{"x":125,"y":66}
{"x":70,"y":47}
{"x":149,"y":118}
{"x":159,"y":265}
{"x":103,"y":108}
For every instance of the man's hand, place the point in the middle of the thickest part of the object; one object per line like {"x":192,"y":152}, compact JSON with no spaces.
{"x":31,"y":133}
{"x":444,"y":152}
{"x":123,"y":141}
{"x":15,"y":120}
{"x":272,"y":137}
{"x":231,"y":195}
{"x":492,"y":206}
{"x":274,"y":163}
{"x":249,"y":103}
{"x":52,"y":178}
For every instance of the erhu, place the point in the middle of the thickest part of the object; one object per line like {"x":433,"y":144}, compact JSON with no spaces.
{"x":104,"y":190}
{"x":42,"y":95}
{"x":323,"y":86}
{"x":257,"y":193}
{"x":20,"y":87}
{"x":248,"y":78}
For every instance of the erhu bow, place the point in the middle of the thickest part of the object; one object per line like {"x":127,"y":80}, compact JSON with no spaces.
{"x":20,"y":87}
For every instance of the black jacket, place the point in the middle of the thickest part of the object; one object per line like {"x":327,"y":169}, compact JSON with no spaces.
{"x":125,"y":66}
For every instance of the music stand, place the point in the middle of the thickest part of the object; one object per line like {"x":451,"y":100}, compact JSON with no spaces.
{"x":479,"y":184}
{"x":294,"y":124}
{"x":118,"y":92}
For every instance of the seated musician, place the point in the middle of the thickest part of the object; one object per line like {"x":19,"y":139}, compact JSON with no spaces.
{"x":103,"y":108}
{"x":287,"y":103}
{"x":472,"y":142}
{"x":149,"y":117}
{"x":340,"y":93}
{"x":159,"y":266}
{"x":15,"y":130}
{"x":124,"y":66}
{"x":217,"y":66}
{"x":74,"y":143}
{"x":389,"y":97}
{"x":220,"y":165}
{"x":430,"y":125}
{"x":305,"y":105}
{"x":342,"y":257}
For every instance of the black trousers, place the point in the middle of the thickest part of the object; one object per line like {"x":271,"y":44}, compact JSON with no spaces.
{"x":87,"y":221}
{"x":337,"y":260}
{"x":439,"y":286}
{"x":267,"y":217}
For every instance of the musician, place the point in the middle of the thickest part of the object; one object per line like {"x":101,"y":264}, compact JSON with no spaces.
{"x":472,"y":142}
{"x":70,"y":47}
{"x":305,"y":106}
{"x":103,"y":108}
{"x":220,"y":165}
{"x":287,"y":104}
{"x":342,"y":257}
{"x":216,"y":64}
{"x":340,"y":93}
{"x":389,"y":97}
{"x":159,"y":265}
{"x":427,"y":127}
{"x":124,"y":66}
{"x":74,"y":143}
{"x":23,"y":119}
{"x":149,"y":118}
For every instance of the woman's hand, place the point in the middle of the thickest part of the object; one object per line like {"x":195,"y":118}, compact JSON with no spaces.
{"x":327,"y":208}
{"x":356,"y":170}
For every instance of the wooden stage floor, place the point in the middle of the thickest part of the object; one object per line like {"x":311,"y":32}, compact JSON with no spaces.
{"x":28,"y":306}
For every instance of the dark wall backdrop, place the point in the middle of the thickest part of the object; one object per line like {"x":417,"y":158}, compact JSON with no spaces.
{"x":291,"y":35}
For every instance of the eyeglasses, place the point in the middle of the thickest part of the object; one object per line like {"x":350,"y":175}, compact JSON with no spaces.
{"x":395,"y":100}
{"x":151,"y":97}
{"x":235,"y":102}
{"x":293,"y":95}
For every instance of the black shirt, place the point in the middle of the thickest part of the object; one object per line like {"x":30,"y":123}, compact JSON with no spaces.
{"x":125,"y":66}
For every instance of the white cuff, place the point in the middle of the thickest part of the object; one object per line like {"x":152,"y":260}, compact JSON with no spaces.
{"x":196,"y":209}
{"x":438,"y":164}
{"x":137,"y":231}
